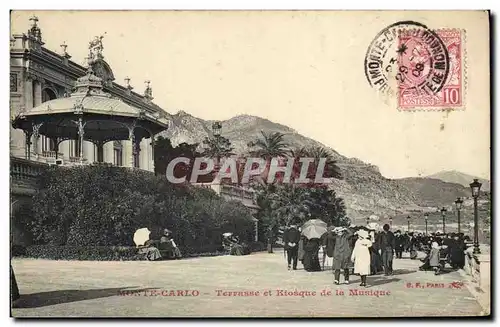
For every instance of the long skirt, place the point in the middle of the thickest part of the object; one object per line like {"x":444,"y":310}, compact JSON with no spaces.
{"x":151,"y":253}
{"x":311,"y":260}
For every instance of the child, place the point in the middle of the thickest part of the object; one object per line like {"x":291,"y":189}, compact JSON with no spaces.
{"x":434,"y":257}
{"x":361,"y":256}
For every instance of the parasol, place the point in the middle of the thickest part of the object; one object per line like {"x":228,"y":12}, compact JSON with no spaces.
{"x":141,"y":236}
{"x":318,"y":222}
{"x":314,"y":228}
{"x":373,"y":226}
{"x":227,"y":234}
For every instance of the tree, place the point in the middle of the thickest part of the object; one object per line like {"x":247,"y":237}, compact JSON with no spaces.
{"x":269,"y":145}
{"x":217,"y":147}
{"x":164,"y":153}
{"x":103,"y":205}
{"x":283,"y":204}
{"x":331,"y":169}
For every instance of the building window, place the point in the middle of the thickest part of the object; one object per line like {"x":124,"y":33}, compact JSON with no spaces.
{"x":137,"y":155}
{"x":47,"y":95}
{"x":117,"y":153}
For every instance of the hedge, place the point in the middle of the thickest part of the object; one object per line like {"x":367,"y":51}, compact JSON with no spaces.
{"x":102,"y":206}
{"x":103,"y":253}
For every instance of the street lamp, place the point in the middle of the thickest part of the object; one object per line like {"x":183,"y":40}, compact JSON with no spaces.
{"x":458,"y":204}
{"x":475,"y":186}
{"x":216,"y":128}
{"x":426,"y":217}
{"x":443,"y":214}
{"x":408,"y":223}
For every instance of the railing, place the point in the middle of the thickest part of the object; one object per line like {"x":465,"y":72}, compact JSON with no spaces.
{"x":52,"y":154}
{"x":25,"y":172}
{"x":236,"y":191}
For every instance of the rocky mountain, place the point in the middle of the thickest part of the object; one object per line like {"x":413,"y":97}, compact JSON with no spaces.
{"x":363,"y":188}
{"x":452,"y":176}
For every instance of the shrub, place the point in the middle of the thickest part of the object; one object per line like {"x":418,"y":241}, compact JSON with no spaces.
{"x":101,"y":206}
{"x":107,"y":253}
{"x":101,"y":253}
{"x":17,"y":250}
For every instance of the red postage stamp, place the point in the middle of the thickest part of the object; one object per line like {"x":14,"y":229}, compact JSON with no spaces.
{"x":430,"y":69}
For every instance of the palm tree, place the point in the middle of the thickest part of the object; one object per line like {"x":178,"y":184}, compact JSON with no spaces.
{"x":270,"y":145}
{"x":332,"y":170}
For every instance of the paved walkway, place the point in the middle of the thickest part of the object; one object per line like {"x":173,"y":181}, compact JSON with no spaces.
{"x":95,"y":289}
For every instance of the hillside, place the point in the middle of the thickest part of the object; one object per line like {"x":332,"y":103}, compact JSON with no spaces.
{"x":363,"y":188}
{"x":453,"y":176}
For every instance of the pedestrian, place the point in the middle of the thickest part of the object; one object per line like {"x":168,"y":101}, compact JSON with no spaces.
{"x":311,"y":260}
{"x":341,"y":253}
{"x":291,"y":238}
{"x":434,"y":258}
{"x":399,"y":243}
{"x":361,"y":255}
{"x":386,"y":247}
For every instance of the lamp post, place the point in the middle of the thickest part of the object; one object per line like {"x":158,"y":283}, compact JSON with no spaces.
{"x":458,"y":204}
{"x":475,"y":186}
{"x":443,"y":214}
{"x":216,"y":128}
{"x":426,"y":218}
{"x":408,"y":223}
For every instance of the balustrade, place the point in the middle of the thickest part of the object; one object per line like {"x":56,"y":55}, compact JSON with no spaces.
{"x":24,"y":171}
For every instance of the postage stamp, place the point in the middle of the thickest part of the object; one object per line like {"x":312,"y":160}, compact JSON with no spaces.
{"x":430,"y":76}
{"x":421,"y":67}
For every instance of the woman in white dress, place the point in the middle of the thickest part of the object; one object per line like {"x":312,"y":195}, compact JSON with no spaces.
{"x":361,"y":255}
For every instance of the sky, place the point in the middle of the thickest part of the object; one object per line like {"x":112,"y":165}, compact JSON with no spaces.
{"x":301,"y":69}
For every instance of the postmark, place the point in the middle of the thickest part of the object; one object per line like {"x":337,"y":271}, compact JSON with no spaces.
{"x":411,"y":62}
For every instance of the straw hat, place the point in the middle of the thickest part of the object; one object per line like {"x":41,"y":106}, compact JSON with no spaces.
{"x":362,"y":233}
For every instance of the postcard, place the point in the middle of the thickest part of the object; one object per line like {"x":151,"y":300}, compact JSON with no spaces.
{"x":250,"y":164}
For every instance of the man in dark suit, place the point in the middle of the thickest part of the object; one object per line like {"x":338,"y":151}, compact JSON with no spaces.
{"x":400,"y":244}
{"x":291,"y":238}
{"x":386,"y":242}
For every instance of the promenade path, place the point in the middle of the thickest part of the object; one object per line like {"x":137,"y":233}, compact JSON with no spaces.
{"x":96,"y":289}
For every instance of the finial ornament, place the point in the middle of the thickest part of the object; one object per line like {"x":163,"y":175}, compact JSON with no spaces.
{"x":64,"y":46}
{"x":34,"y":31}
{"x":34,"y":21}
{"x":148,"y":92}
{"x":96,"y":47}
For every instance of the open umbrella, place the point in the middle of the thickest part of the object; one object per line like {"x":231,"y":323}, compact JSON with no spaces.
{"x":314,"y":228}
{"x":141,"y":236}
{"x":317,"y":222}
{"x":374,"y":226}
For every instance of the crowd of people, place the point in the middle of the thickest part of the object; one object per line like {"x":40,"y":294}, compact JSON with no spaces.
{"x":365,"y":251}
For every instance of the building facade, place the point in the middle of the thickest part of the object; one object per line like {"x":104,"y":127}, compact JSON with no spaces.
{"x":38,"y":74}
